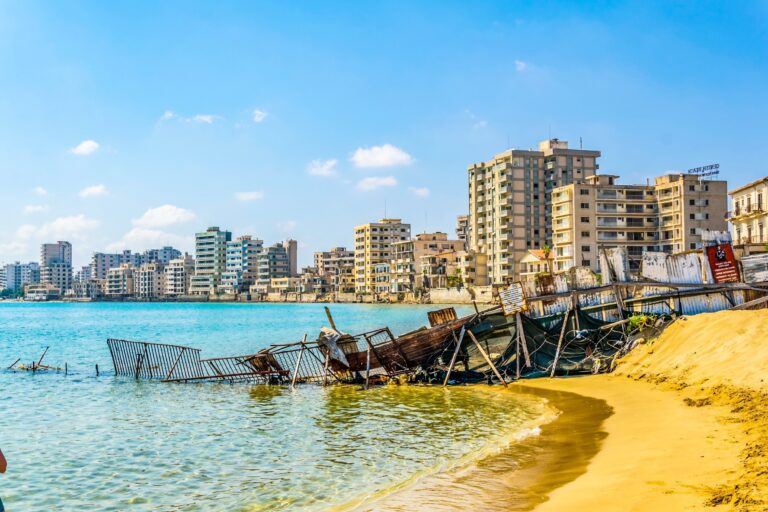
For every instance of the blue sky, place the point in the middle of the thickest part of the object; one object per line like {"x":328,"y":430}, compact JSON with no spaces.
{"x":132,"y":124}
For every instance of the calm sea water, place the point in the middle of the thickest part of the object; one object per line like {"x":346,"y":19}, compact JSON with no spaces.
{"x":83,"y":442}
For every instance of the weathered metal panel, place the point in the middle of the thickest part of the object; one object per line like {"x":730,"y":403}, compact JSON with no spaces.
{"x":583,"y":278}
{"x":710,"y":236}
{"x":614,"y":265}
{"x":755,"y":268}
{"x":653,"y":266}
{"x":684,"y":268}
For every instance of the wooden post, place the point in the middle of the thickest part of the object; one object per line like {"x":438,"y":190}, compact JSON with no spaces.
{"x":560,"y":342}
{"x":619,"y":301}
{"x":367,"y":366}
{"x":517,"y":354}
{"x":487,"y":358}
{"x":523,"y":342}
{"x":325,"y":368}
{"x":298,"y":362}
{"x":97,"y":370}
{"x":42,"y":356}
{"x":455,"y":353}
{"x":330,"y":318}
{"x":14,"y":363}
{"x":66,"y":369}
{"x":474,"y":303}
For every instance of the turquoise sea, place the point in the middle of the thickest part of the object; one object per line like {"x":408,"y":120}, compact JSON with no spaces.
{"x":82,"y":442}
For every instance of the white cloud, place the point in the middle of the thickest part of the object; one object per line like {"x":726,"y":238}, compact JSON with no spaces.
{"x":165,"y":215}
{"x":73,"y":227}
{"x":520,"y":66}
{"x":13,"y":249}
{"x":204,"y":118}
{"x":85,"y":148}
{"x":374,"y":182}
{"x":479,"y":125}
{"x":259,"y":115}
{"x":249,"y":196}
{"x":168,"y":115}
{"x":40,"y":191}
{"x":322,"y":167}
{"x":93,"y":191}
{"x":140,"y":239}
{"x":381,"y":156}
{"x":287,"y":226}
{"x":419,"y":191}
{"x":35,"y":208}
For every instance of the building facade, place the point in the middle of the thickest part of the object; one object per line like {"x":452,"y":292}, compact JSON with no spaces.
{"x":178,"y":275}
{"x":668,"y":216}
{"x":749,"y":215}
{"x":373,"y":246}
{"x":406,"y":271}
{"x":120,"y":281}
{"x":56,"y":266}
{"x":242,"y":264}
{"x":149,"y":281}
{"x":462,"y":229}
{"x":210,"y":260}
{"x":272,"y":263}
{"x":18,"y":275}
{"x":510,"y":200}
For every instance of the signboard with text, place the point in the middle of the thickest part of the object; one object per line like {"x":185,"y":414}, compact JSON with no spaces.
{"x":723,"y":263}
{"x":513,"y":299}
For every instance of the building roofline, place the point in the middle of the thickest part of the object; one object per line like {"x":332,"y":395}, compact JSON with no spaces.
{"x":750,"y":184}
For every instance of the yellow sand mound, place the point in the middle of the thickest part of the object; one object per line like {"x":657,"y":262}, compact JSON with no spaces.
{"x":711,"y":349}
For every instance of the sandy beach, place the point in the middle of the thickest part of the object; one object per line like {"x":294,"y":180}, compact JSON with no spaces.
{"x":688,"y":429}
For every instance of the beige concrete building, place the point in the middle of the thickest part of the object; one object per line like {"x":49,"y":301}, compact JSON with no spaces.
{"x":668,"y":216}
{"x":749,"y":215}
{"x":510,"y":198}
{"x":535,"y":262}
{"x":405,"y":266}
{"x":440,"y":269}
{"x":178,"y":274}
{"x":120,"y":281}
{"x":473,"y":268}
{"x":149,"y":281}
{"x":337,"y":266}
{"x":56,"y":266}
{"x":373,"y":246}
{"x":462,"y":229}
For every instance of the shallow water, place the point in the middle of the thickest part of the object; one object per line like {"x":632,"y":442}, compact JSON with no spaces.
{"x":83,"y":442}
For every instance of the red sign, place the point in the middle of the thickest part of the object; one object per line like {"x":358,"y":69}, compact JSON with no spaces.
{"x":723,"y":264}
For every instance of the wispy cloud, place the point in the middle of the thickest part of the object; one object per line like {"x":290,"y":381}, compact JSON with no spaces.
{"x":374,"y":182}
{"x":381,"y":156}
{"x":40,"y":191}
{"x":205,"y":118}
{"x":322,"y":167}
{"x":419,"y":191}
{"x":140,"y":239}
{"x":168,"y":115}
{"x":85,"y":148}
{"x":162,"y":216}
{"x":74,"y":227}
{"x":93,"y":191}
{"x":287,"y":226}
{"x":249,"y":196}
{"x":259,"y":115}
{"x":35,"y":208}
{"x":520,"y":66}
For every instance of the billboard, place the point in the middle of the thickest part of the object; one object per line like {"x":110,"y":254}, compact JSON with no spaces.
{"x":723,"y":263}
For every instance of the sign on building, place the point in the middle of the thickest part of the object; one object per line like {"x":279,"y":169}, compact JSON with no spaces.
{"x":722,"y":263}
{"x":513,"y":299}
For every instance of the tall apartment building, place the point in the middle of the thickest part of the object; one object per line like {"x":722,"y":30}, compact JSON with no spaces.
{"x":163,"y":255}
{"x":17,"y":275}
{"x":242,"y":264}
{"x":338,"y":267}
{"x":149,"y":280}
{"x":101,"y":262}
{"x":3,"y":282}
{"x":210,"y":260}
{"x":178,"y":275}
{"x":405,"y":269}
{"x":273,"y":263}
{"x":510,"y":200}
{"x":292,"y":251}
{"x":667,"y":216}
{"x":373,"y":246}
{"x":56,"y":266}
{"x":750,"y":215}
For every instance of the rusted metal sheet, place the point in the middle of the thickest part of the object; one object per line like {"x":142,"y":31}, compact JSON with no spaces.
{"x":755,"y":268}
{"x":683,"y":268}
{"x":441,"y":316}
{"x":583,"y":278}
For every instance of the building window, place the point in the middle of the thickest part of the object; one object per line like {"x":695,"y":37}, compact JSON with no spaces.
{"x":585,"y":206}
{"x":584,"y":191}
{"x":586,"y":248}
{"x":586,"y":263}
{"x":585,"y":234}
{"x":585,"y":220}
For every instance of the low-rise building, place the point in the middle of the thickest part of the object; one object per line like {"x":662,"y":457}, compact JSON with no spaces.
{"x":285,"y":285}
{"x":440,"y":270}
{"x":536,"y":262}
{"x":473,"y":268}
{"x":405,"y":269}
{"x":749,"y":215}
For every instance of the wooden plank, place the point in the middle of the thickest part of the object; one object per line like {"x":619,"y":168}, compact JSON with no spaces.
{"x":560,"y":343}
{"x":298,"y":361}
{"x":522,"y":339}
{"x":455,"y":353}
{"x":487,"y":358}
